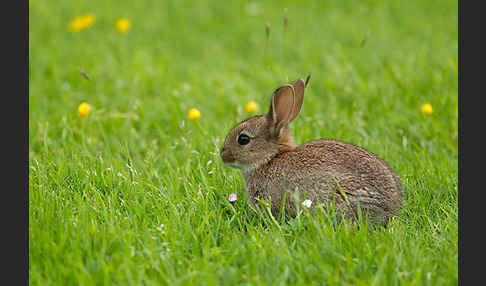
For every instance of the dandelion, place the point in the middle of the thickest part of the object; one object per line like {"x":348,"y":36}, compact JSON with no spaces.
{"x":76,"y":25}
{"x":232,"y":197}
{"x":193,"y":114}
{"x":307,"y":203}
{"x":89,"y":20}
{"x":84,"y":109}
{"x":426,"y":109}
{"x":251,"y":107}
{"x":82,"y":22}
{"x":123,"y":25}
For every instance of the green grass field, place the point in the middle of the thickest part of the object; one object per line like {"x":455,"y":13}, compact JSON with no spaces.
{"x":136,"y":193}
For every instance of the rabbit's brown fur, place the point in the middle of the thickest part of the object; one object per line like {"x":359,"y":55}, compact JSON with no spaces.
{"x":321,"y":170}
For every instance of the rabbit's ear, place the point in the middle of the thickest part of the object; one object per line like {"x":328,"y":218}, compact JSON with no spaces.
{"x":281,"y":107}
{"x":299,"y":87}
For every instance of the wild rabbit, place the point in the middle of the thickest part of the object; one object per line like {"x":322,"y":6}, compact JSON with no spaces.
{"x":320,"y":171}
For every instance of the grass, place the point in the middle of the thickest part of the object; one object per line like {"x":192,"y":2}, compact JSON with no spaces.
{"x":136,"y":194}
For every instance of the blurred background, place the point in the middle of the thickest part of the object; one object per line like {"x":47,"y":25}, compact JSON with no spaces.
{"x":216,"y":55}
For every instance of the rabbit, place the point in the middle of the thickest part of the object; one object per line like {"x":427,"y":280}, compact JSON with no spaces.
{"x":344,"y":175}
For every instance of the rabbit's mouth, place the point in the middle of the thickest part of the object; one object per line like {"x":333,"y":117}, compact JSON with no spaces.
{"x":227,"y":156}
{"x":229,"y":160}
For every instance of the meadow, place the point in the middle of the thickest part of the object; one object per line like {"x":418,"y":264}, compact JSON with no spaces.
{"x":135,"y":193}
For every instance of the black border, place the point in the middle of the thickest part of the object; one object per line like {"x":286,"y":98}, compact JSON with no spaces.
{"x":17,"y":76}
{"x":15,"y":143}
{"x":471,"y":208}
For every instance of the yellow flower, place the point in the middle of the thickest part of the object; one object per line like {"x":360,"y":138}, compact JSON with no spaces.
{"x":84,"y":109}
{"x":251,"y":107}
{"x":88,"y":20}
{"x":426,"y":109}
{"x":82,"y":22}
{"x":123,"y":25}
{"x":194,"y":114}
{"x":76,"y":25}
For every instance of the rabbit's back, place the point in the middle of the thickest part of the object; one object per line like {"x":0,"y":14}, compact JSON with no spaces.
{"x":325,"y":169}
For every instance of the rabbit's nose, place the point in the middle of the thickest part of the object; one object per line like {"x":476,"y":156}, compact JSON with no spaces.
{"x":227,"y":156}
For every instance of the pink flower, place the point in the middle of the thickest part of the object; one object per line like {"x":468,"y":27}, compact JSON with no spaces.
{"x":232,"y":197}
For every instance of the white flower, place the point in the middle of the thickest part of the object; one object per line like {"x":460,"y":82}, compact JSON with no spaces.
{"x":307,"y":203}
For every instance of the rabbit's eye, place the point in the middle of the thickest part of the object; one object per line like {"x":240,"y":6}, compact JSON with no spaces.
{"x":243,"y":139}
